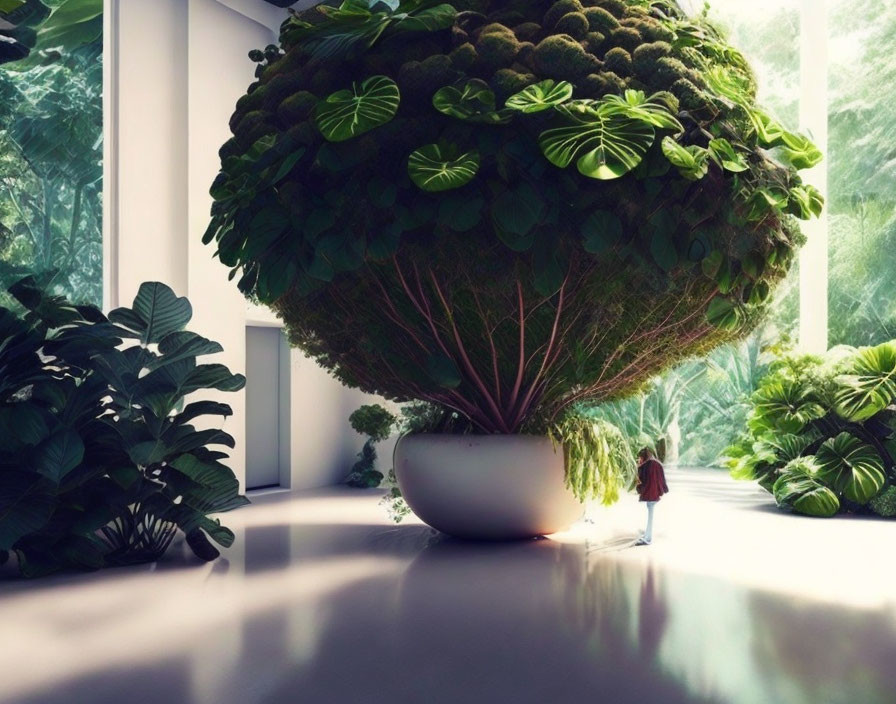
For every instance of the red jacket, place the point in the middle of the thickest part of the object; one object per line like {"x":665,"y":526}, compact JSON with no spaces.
{"x":651,"y":481}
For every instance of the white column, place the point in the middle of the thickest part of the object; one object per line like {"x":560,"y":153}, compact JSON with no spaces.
{"x":814,"y":121}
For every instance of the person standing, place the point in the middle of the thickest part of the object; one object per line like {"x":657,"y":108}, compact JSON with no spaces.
{"x":651,"y":487}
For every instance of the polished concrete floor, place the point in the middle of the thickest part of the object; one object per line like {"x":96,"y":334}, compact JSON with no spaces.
{"x":322,"y":600}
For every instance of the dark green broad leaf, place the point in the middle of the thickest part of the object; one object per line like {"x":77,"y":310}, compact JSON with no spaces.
{"x":201,"y":546}
{"x":724,"y":314}
{"x":516,"y":213}
{"x":348,"y":113}
{"x":27,"y":500}
{"x":156,"y":312}
{"x":442,"y":370}
{"x":662,"y":240}
{"x":275,"y":279}
{"x":202,"y":408}
{"x":384,"y":242}
{"x":540,"y":96}
{"x":851,"y":466}
{"x":59,"y":454}
{"x":437,"y":167}
{"x":602,"y":230}
{"x":548,"y":266}
{"x":459,"y":212}
{"x":603,"y":142}
{"x":183,"y":344}
{"x":726,"y":156}
{"x":23,"y":422}
{"x":472,"y":101}
{"x":692,"y":161}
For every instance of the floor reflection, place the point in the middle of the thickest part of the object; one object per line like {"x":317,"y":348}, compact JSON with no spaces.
{"x":371,"y":613}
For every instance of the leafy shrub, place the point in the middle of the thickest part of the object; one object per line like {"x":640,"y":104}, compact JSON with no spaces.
{"x":99,"y":462}
{"x":464,"y":205}
{"x":377,"y":423}
{"x":822,"y":432}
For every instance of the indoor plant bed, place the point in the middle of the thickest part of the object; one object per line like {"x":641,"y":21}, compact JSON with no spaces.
{"x":503,"y":210}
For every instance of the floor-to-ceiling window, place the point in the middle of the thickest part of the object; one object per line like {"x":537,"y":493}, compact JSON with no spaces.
{"x":51,"y":171}
{"x":793,"y":46}
{"x":862,"y":171}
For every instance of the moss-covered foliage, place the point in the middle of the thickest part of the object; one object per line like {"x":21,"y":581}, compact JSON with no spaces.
{"x":506,"y":207}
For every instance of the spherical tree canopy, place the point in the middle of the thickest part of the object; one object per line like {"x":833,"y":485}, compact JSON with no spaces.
{"x":506,"y":208}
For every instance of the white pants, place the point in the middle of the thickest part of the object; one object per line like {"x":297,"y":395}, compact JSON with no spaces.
{"x":648,"y":534}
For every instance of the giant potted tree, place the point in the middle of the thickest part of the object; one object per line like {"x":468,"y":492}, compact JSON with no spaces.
{"x":503,"y":210}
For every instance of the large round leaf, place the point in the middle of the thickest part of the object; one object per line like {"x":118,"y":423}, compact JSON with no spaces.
{"x":473,"y":101}
{"x":605,"y":144}
{"x":851,"y":466}
{"x":870,"y":384}
{"x":799,"y":488}
{"x":654,"y":110}
{"x":348,"y":113}
{"x":435,"y":168}
{"x":784,"y":406}
{"x":540,"y":96}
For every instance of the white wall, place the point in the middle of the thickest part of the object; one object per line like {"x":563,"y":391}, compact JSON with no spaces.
{"x":175,"y":69}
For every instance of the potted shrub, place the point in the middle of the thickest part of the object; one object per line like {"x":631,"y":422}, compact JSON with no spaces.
{"x":504,"y":210}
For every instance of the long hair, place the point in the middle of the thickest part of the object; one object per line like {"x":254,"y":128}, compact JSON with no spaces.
{"x":645,"y":454}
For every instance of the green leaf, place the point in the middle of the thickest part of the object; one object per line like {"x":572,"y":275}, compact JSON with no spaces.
{"x":73,"y":23}
{"x":724,"y":314}
{"x":769,"y":132}
{"x":869,"y":384}
{"x":156,"y":312}
{"x":183,"y":344}
{"x":7,"y":6}
{"x":800,"y":152}
{"x":348,"y":113}
{"x":805,"y":201}
{"x":692,"y":161}
{"x":728,"y":83}
{"x":473,"y":101}
{"x":459,"y":212}
{"x":725,"y":155}
{"x":852,"y":467}
{"x":27,"y":500}
{"x":602,"y":230}
{"x":712,"y":263}
{"x":437,"y":168}
{"x":799,"y":488}
{"x":540,"y":96}
{"x":635,"y":104}
{"x":516,"y":213}
{"x":442,"y":370}
{"x":604,"y":143}
{"x":784,"y":406}
{"x":59,"y":455}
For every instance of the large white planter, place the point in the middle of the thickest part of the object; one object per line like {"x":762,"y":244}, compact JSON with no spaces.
{"x":486,"y":487}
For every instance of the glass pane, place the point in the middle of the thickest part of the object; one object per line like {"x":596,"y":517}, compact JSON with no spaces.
{"x":51,"y":173}
{"x":862,"y":178}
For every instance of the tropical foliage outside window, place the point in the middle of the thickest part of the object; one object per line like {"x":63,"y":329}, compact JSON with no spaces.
{"x":51,"y":131}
